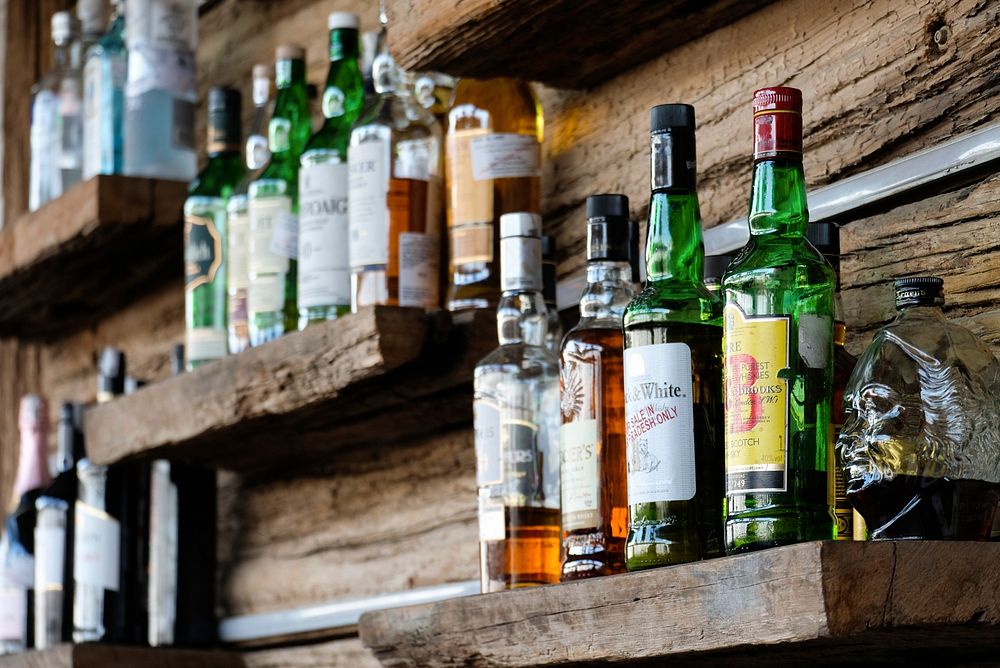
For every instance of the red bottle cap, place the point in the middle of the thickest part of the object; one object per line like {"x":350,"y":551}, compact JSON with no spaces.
{"x":777,"y":122}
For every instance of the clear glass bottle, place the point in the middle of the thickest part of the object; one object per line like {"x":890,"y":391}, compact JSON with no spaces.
{"x":921,"y":440}
{"x":96,"y":573}
{"x":50,"y":556}
{"x":106,"y":64}
{"x":550,"y":284}
{"x":56,"y":118}
{"x":16,"y":578}
{"x":434,"y":91}
{"x":517,"y":421}
{"x":394,"y":162}
{"x":161,"y":92}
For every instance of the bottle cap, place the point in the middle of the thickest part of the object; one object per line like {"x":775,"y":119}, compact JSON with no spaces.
{"x":33,"y":413}
{"x":825,"y":237}
{"x":635,"y":248}
{"x":50,"y":503}
{"x":224,"y":110}
{"x":290,"y":52}
{"x":342,"y":20}
{"x":674,"y":163}
{"x":607,"y":206}
{"x":521,"y":252}
{"x":777,"y":122}
{"x":520,"y":224}
{"x":608,"y":233}
{"x":262,"y":71}
{"x":64,"y":26}
{"x":715,"y":267}
{"x":671,"y":118}
{"x":110,"y":374}
{"x":177,"y":359}
{"x":919,"y":291}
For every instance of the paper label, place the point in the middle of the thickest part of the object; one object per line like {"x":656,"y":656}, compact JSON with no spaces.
{"x":92,"y":96}
{"x":757,"y":352}
{"x":333,"y":102}
{"x":486,"y":423}
{"x":50,"y":557}
{"x":471,"y":201}
{"x":285,"y":235}
{"x":257,"y":152}
{"x":418,"y":270}
{"x":324,"y":265}
{"x":202,"y":244}
{"x":238,"y":267}
{"x":413,"y":160}
{"x":14,"y":614}
{"x":580,"y":489}
{"x":264,"y":213}
{"x":369,"y":211}
{"x":151,"y":68}
{"x":499,"y":155}
{"x":97,"y":542}
{"x":205,"y":343}
{"x":162,"y":23}
{"x":659,"y":423}
{"x":491,"y":521}
{"x":471,"y":243}
{"x":266,"y":293}
{"x":279,"y":134}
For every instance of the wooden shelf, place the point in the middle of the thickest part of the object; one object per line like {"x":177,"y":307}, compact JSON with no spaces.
{"x":84,"y":255}
{"x":381,"y":375}
{"x":563,"y":43}
{"x":828,"y":603}
{"x":111,"y":656}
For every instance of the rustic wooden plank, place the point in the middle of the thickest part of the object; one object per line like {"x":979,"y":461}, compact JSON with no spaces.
{"x":816,"y":594}
{"x":20,"y":73}
{"x":347,"y":653}
{"x":110,"y":656}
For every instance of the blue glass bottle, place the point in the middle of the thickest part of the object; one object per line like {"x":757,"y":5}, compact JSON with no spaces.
{"x":104,"y":99}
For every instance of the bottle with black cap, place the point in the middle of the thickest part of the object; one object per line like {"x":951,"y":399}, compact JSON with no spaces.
{"x":592,"y":437}
{"x":715,"y":269}
{"x":919,"y":442}
{"x":635,"y":247}
{"x":554,"y":332}
{"x":673,"y":368}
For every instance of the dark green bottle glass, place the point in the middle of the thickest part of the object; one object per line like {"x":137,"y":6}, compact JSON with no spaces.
{"x":673,"y":369}
{"x":205,"y":230}
{"x":273,"y":206}
{"x":778,"y":323}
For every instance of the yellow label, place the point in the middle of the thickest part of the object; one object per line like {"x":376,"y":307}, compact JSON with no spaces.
{"x":757,"y":362}
{"x":471,"y":200}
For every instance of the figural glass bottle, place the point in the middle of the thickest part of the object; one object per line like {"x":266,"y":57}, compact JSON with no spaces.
{"x":778,"y":325}
{"x":516,"y":410}
{"x":673,"y":368}
{"x":592,"y":437}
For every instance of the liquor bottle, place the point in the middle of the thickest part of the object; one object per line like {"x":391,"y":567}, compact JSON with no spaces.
{"x":56,"y":124}
{"x":258,"y":154}
{"x":16,"y":576}
{"x":205,"y":234}
{"x":919,"y":442}
{"x":92,"y":23}
{"x":714,"y":270}
{"x":635,"y":259}
{"x":517,"y":425}
{"x":778,"y":325}
{"x":493,"y":167}
{"x":434,"y":92}
{"x":673,"y":368}
{"x":592,"y":437}
{"x":324,"y":267}
{"x":554,"y":329}
{"x":372,"y":43}
{"x":273,"y":205}
{"x":394,"y":162}
{"x":104,"y":72}
{"x":161,"y":90}
{"x":96,"y":565}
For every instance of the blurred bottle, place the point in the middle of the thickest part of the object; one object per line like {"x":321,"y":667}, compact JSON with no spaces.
{"x":106,"y":63}
{"x":554,"y":330}
{"x":714,"y":269}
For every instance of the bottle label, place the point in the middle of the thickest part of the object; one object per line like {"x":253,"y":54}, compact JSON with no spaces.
{"x":279,"y":135}
{"x":492,"y":525}
{"x":580,"y":490}
{"x":266,"y":293}
{"x":333,"y":102}
{"x":324,"y":266}
{"x":264,"y":214}
{"x":471,"y":243}
{"x":497,"y":155}
{"x":285,"y":235}
{"x":257,"y":152}
{"x":14,"y":613}
{"x":520,"y":465}
{"x":659,"y":423}
{"x":162,"y":23}
{"x":50,"y":556}
{"x":471,"y":200}
{"x":97,"y":541}
{"x":92,"y":135}
{"x":413,"y":160}
{"x":238,"y":268}
{"x":153,"y":68}
{"x":368,"y":166}
{"x":205,"y":343}
{"x":202,"y":247}
{"x":757,"y":352}
{"x":486,"y":423}
{"x":418,"y":270}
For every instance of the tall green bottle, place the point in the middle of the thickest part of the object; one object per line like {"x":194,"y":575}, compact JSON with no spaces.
{"x":778,"y":323}
{"x":273,"y":206}
{"x":324,"y":289}
{"x":205,"y":231}
{"x":673,"y":369}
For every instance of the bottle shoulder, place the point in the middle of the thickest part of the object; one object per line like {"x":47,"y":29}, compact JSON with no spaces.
{"x":518,"y":358}
{"x":677,"y":301}
{"x":778,"y":256}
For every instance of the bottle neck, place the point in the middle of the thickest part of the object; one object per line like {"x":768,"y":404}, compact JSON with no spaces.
{"x":63,"y":54}
{"x":343,"y":44}
{"x":608,"y":291}
{"x":32,"y":465}
{"x":778,"y":198}
{"x":674,"y":246}
{"x":521,"y":318}
{"x":289,"y":73}
{"x":261,"y":91}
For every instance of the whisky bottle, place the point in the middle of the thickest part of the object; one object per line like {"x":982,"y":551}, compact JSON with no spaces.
{"x":715,"y":269}
{"x":273,"y":205}
{"x":778,"y":325}
{"x":324,"y":267}
{"x":104,"y":72}
{"x":554,"y":330}
{"x":592,"y":437}
{"x":493,"y":167}
{"x":205,"y":234}
{"x":673,"y":368}
{"x":516,"y":411}
{"x":394,"y":162}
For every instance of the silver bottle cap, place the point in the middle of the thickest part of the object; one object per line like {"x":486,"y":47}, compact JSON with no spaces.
{"x":520,"y":224}
{"x":339,"y":20}
{"x":521,"y":252}
{"x":64,"y":26}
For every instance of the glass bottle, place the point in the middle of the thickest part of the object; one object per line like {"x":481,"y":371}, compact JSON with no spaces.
{"x":673,"y":368}
{"x":50,"y":557}
{"x":714,"y":270}
{"x":273,"y":205}
{"x":779,"y":349}
{"x":921,"y":440}
{"x":106,"y":64}
{"x":636,"y":259}
{"x":96,"y":573}
{"x":554,"y":330}
{"x":324,"y":267}
{"x":161,"y":91}
{"x":56,"y":124}
{"x":16,"y":578}
{"x":493,"y":167}
{"x":394,"y":162}
{"x":434,"y":92}
{"x":592,"y":437}
{"x":516,"y":410}
{"x":205,"y":235}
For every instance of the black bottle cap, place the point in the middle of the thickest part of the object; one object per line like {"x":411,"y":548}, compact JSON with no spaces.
{"x":607,"y":206}
{"x":110,"y":374}
{"x":224,"y":109}
{"x":715,"y":267}
{"x":549,"y":269}
{"x":608,"y":234}
{"x":177,"y":359}
{"x":674,"y":163}
{"x":671,"y":118}
{"x":635,"y":248}
{"x":919,"y":291}
{"x":825,"y":237}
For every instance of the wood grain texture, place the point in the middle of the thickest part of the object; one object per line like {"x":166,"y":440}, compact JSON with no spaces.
{"x":349,"y":653}
{"x":590,"y":40}
{"x":774,"y":599}
{"x":109,"y":656}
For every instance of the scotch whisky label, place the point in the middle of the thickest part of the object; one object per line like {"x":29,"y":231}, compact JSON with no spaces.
{"x":521,"y":471}
{"x":471,"y":243}
{"x":202,"y":248}
{"x":265,"y":213}
{"x":470,"y":200}
{"x":505,"y":155}
{"x":418,"y":270}
{"x":486,"y":423}
{"x":578,"y":468}
{"x":368,"y":215}
{"x":757,"y":361}
{"x":238,"y":269}
{"x":324,"y":267}
{"x":659,"y":423}
{"x":96,"y":543}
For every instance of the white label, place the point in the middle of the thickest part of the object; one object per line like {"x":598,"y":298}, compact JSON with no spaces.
{"x":580,"y":492}
{"x":205,"y":343}
{"x":285,"y":235}
{"x":266,"y":294}
{"x":504,"y":156}
{"x":418,"y":270}
{"x":264,"y":213}
{"x":162,"y":23}
{"x":413,"y":160}
{"x":815,"y":339}
{"x":13,"y":614}
{"x":659,"y":423}
{"x":50,"y":556}
{"x":257,"y":151}
{"x":150,"y":68}
{"x":491,"y":521}
{"x":92,"y":96}
{"x":324,"y":265}
{"x":96,"y":548}
{"x":238,"y":267}
{"x":369,"y":210}
{"x":486,"y":423}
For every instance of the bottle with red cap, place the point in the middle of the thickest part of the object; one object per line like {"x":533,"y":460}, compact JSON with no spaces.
{"x":778,"y":323}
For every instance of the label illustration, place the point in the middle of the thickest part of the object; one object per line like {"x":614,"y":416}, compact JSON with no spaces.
{"x":202,"y":250}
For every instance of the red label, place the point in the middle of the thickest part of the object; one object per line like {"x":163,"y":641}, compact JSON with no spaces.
{"x":775,"y":132}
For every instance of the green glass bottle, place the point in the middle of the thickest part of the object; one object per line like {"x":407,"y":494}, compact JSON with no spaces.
{"x":778,"y":323}
{"x":205,"y":230}
{"x":324,"y":289}
{"x":273,"y":206}
{"x":673,"y":369}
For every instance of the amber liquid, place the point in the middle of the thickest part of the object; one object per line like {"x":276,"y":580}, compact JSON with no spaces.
{"x":529,"y":555}
{"x":599,"y":549}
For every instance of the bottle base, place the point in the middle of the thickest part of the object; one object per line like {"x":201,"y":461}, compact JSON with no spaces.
{"x":762,"y":532}
{"x":266,"y":327}
{"x":315,"y":315}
